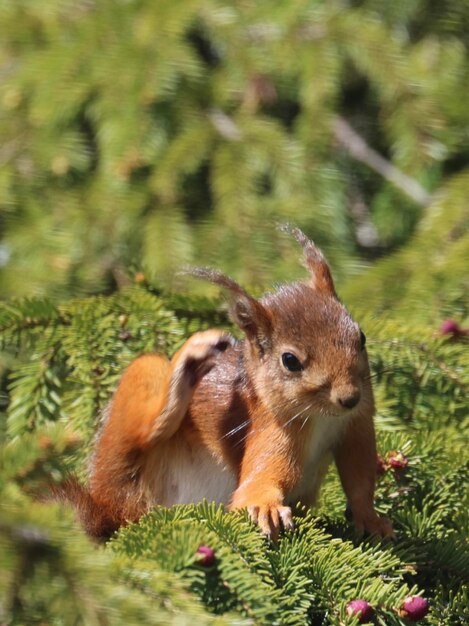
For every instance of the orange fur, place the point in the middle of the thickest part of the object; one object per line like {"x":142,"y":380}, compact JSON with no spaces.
{"x":252,"y":424}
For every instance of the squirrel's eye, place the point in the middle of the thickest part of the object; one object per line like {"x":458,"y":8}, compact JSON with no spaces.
{"x":291,"y":362}
{"x":362,"y":340}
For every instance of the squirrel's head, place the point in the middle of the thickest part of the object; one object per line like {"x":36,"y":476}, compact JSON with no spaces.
{"x":306,"y":355}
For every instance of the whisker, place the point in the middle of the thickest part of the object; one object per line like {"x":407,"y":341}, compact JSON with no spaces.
{"x":292,"y":419}
{"x":287,"y":404}
{"x":304,"y":423}
{"x":232,"y":432}
{"x":236,"y":429}
{"x":243,"y":439}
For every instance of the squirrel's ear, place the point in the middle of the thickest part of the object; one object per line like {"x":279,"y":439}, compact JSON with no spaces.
{"x":321,"y":277}
{"x":253,"y":319}
{"x":246,"y":311}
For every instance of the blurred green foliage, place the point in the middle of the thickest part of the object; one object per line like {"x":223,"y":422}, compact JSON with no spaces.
{"x":149,"y":135}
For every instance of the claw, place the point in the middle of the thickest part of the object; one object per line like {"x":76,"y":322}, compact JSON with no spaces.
{"x":271,"y":519}
{"x":286,"y":517}
{"x":374,"y":525}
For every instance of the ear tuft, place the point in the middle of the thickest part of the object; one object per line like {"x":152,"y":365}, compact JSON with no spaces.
{"x":321,"y":278}
{"x":214,"y":276}
{"x":247,"y":313}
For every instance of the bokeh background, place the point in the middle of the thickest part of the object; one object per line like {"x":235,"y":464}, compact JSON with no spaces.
{"x":145,"y":136}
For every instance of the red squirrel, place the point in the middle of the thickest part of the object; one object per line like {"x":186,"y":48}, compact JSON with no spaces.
{"x":250,"y":424}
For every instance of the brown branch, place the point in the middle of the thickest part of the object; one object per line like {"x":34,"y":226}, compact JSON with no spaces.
{"x":359,"y":149}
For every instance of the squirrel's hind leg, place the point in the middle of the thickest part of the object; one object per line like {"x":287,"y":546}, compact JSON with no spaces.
{"x":154,"y":393}
{"x":147,"y":409}
{"x":192,"y":361}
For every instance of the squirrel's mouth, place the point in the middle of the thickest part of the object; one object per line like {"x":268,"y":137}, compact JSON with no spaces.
{"x":327,"y":407}
{"x":316,"y":408}
{"x":333,"y":402}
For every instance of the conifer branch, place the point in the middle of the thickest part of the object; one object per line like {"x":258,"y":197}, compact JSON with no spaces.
{"x":360,"y":150}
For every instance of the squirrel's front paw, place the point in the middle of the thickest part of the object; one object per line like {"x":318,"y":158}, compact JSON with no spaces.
{"x":270,"y":519}
{"x":374,"y":525}
{"x":200,"y":351}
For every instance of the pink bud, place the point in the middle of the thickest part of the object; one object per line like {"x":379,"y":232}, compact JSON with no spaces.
{"x":451,"y":327}
{"x":414,"y":608}
{"x":397,"y":460}
{"x":361,"y":608}
{"x":207,"y":556}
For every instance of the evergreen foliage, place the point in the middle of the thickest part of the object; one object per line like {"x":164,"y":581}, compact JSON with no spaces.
{"x":65,"y":361}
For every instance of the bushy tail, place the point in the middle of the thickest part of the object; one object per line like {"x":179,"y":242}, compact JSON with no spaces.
{"x":98,"y":521}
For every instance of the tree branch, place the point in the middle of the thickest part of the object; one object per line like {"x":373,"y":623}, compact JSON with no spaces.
{"x":359,"y":149}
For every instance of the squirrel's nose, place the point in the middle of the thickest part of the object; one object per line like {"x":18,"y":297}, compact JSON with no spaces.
{"x":350,"y":400}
